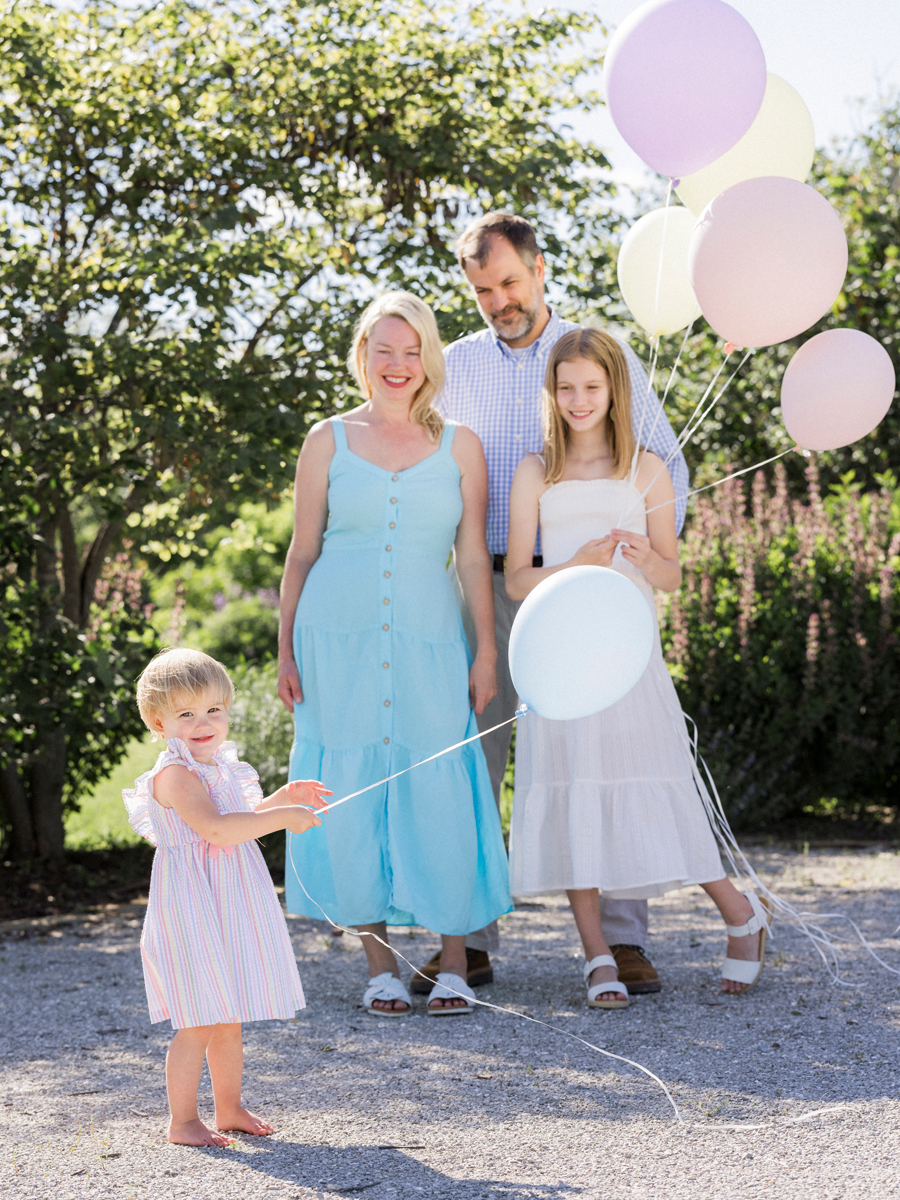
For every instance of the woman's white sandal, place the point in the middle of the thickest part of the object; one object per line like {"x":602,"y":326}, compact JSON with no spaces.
{"x":742,"y":970}
{"x":450,"y":987}
{"x":599,"y":989}
{"x":386,"y":986}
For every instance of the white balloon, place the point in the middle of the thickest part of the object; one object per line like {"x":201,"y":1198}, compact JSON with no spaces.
{"x":781,"y":141}
{"x":580,"y":642}
{"x":662,"y":302}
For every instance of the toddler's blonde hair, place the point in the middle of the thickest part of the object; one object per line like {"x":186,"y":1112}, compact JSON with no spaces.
{"x":176,"y":677}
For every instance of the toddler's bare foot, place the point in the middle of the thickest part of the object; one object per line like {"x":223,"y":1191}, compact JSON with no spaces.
{"x":195,"y":1133}
{"x":245,"y":1121}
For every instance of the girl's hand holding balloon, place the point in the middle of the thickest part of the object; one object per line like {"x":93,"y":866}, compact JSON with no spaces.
{"x":596,"y":553}
{"x":635,"y":546}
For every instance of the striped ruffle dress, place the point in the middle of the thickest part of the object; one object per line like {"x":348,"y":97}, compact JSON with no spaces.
{"x":215,"y":945}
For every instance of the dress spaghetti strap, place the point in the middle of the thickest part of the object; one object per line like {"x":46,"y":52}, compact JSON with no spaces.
{"x":447,"y":437}
{"x":340,"y":433}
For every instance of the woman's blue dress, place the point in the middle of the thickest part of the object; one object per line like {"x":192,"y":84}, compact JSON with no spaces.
{"x":384,"y":667}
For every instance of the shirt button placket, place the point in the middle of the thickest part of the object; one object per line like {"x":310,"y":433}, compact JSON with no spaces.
{"x":386,"y":645}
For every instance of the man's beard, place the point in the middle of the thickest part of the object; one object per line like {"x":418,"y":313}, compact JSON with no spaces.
{"x":524,"y":320}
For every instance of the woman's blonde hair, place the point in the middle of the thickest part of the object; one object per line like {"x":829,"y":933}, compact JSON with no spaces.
{"x":605,"y":351}
{"x":175,"y":678}
{"x":420,"y":318}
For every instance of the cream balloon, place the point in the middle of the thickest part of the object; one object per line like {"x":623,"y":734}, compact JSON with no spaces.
{"x":781,"y":141}
{"x":675,"y":305}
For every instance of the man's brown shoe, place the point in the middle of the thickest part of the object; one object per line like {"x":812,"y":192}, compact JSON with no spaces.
{"x":635,"y":969}
{"x":479,"y":971}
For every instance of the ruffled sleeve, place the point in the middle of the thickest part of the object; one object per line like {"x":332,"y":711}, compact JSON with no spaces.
{"x":243,"y":774}
{"x":139,"y":799}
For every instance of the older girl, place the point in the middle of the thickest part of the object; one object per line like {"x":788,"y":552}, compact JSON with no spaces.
{"x":375,"y":666}
{"x":611,"y":802}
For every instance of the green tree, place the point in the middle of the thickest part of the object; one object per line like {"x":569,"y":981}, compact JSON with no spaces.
{"x":194,"y":201}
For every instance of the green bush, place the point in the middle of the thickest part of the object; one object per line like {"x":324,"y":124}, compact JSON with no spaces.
{"x":782,"y":644}
{"x":262,"y":730}
{"x":244,"y":630}
{"x":260,"y":725}
{"x":225,"y":600}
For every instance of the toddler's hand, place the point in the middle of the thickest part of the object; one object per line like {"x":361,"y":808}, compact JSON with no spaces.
{"x":303,"y":791}
{"x":301,"y":819}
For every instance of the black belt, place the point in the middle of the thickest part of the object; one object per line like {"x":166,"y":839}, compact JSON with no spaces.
{"x":500,"y":562}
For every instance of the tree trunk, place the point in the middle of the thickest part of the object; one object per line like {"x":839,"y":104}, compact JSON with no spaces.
{"x":47,"y":779}
{"x":15,"y":801}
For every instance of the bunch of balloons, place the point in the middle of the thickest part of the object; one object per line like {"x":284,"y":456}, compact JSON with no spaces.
{"x":758,"y":251}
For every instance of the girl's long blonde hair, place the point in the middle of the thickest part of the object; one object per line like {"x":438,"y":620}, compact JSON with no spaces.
{"x":605,"y":351}
{"x":418,"y":316}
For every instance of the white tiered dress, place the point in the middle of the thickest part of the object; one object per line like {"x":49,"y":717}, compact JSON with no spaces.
{"x":612,"y":801}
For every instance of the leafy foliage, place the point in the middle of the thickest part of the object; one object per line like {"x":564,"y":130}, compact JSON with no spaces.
{"x":260,"y":725}
{"x":783,"y":645}
{"x":195,"y":201}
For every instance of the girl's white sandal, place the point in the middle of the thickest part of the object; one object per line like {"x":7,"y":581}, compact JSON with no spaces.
{"x":450,"y":987}
{"x":386,"y":986}
{"x":748,"y":971}
{"x":612,"y":985}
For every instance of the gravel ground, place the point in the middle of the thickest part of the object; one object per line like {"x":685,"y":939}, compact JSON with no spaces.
{"x":481,"y":1106}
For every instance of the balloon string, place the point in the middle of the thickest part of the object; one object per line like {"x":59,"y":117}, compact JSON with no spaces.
{"x":719,"y":822}
{"x":652,"y":361}
{"x":661,"y":409}
{"x":484,"y":1003}
{"x":805,"y":921}
{"x":520,"y":712}
{"x":684,"y":437}
{"x":654,"y":341}
{"x":733,"y":475}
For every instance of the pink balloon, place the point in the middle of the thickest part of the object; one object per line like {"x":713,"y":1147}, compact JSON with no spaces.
{"x":767,"y":259}
{"x":684,"y":81}
{"x":836,"y":389}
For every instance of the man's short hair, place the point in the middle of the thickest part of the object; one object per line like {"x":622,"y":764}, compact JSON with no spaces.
{"x":475,"y":240}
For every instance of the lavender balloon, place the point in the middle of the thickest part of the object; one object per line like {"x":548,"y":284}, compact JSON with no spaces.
{"x":684,"y":82}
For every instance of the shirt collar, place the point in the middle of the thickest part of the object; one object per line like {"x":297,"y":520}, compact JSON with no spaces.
{"x":548,"y":338}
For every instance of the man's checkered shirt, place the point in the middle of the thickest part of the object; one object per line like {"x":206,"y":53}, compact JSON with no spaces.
{"x":498,"y":394}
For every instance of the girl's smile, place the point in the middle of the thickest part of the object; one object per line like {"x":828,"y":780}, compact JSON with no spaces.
{"x":201,"y":722}
{"x":582,"y":393}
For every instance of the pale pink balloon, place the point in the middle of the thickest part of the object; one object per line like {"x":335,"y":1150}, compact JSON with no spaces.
{"x":836,"y":389}
{"x":684,"y":82}
{"x":767,"y":259}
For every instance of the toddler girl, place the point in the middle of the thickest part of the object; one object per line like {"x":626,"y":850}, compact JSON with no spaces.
{"x":610,"y":802}
{"x":215,"y":946}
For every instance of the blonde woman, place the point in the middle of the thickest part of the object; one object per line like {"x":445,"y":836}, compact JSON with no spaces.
{"x":610,"y":802}
{"x":375,"y":666}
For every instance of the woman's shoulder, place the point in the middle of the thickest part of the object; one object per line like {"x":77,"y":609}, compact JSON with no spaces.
{"x":321,"y":435}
